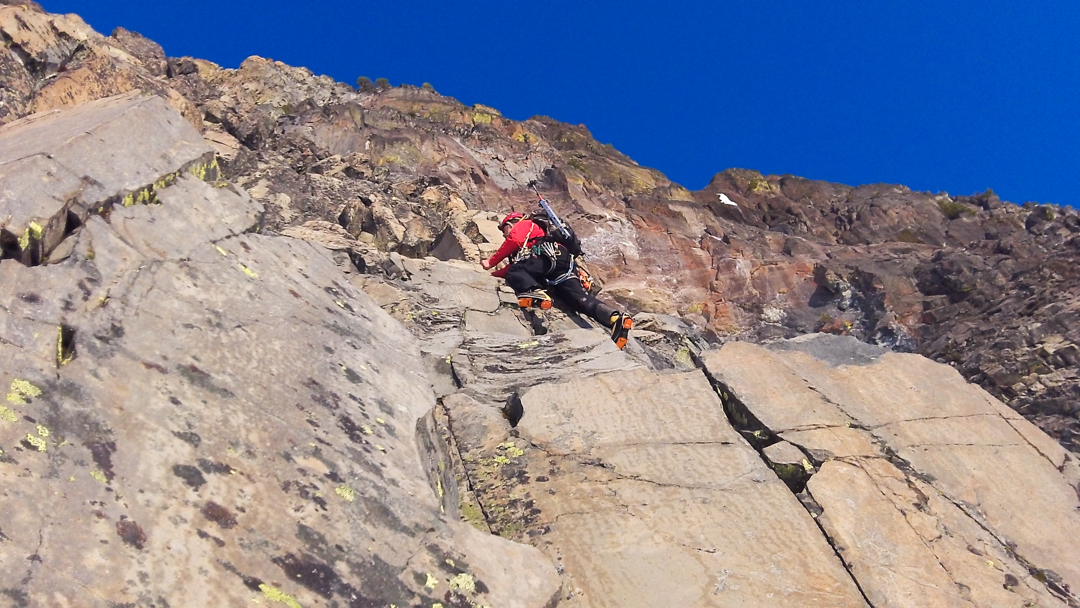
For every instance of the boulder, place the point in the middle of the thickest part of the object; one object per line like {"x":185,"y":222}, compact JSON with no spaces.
{"x":934,"y":492}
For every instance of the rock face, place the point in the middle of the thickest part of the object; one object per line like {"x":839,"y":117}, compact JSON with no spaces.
{"x":986,"y":286}
{"x":933,"y":492}
{"x":249,"y":356}
{"x":198,"y":415}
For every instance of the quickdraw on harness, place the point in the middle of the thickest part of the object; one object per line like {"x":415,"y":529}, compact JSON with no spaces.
{"x":551,"y":251}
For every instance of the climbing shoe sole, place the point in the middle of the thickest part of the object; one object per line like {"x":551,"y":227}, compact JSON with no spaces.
{"x":534,"y":302}
{"x":620,"y":333}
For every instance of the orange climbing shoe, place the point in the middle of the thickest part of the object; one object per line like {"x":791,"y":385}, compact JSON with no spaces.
{"x":534,"y":299}
{"x":620,"y":329}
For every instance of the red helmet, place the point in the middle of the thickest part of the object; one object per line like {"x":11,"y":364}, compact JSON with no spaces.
{"x":512,"y":217}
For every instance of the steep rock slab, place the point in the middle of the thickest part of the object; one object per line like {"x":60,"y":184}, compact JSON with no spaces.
{"x":200,"y":416}
{"x":58,"y":167}
{"x":931,"y":488}
{"x":493,"y":367}
{"x":646,"y":496}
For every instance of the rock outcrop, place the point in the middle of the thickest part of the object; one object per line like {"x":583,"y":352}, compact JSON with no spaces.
{"x":933,"y":492}
{"x":197,"y":414}
{"x":249,"y":356}
{"x":986,"y":286}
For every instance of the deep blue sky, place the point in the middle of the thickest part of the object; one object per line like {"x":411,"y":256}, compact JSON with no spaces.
{"x":954,"y":96}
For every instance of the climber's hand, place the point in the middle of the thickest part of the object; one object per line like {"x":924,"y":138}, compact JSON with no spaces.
{"x":486,"y":265}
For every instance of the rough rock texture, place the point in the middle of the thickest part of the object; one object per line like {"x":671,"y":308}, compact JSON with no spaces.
{"x":989,"y":287}
{"x":933,"y":491}
{"x":883,"y":479}
{"x":652,"y":499}
{"x":199,"y":415}
{"x":262,"y":365}
{"x":59,"y":167}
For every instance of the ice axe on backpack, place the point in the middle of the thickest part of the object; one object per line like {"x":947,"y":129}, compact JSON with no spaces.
{"x":555,"y":221}
{"x":570,"y":241}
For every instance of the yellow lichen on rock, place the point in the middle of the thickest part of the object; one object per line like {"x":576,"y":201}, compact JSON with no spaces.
{"x":63,"y":356}
{"x":482,"y":118}
{"x":345,"y":492}
{"x":463,"y":582}
{"x":37,"y":442}
{"x":205,"y":170}
{"x":277,"y":595}
{"x":42,"y":431}
{"x":98,"y":475}
{"x":8,"y":415}
{"x":33,"y":232}
{"x":21,"y":390}
{"x":249,"y":272}
{"x":432,"y":582}
{"x":512,"y":450}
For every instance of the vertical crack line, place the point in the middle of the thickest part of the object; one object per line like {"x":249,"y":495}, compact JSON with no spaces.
{"x":732,"y":408}
{"x":460,"y":461}
{"x":1060,"y":469}
{"x":1062,"y":592}
{"x":840,"y":556}
{"x":907,"y":521}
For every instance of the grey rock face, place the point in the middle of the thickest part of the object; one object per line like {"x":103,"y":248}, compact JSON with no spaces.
{"x":651,"y":498}
{"x":59,"y":167}
{"x":200,"y":415}
{"x":199,"y":412}
{"x":933,"y":491}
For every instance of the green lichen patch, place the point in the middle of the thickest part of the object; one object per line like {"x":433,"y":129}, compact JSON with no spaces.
{"x":206,"y":172}
{"x":463,"y":582}
{"x":345,"y":492}
{"x":33,"y":233}
{"x":511,"y":450}
{"x":277,"y":595}
{"x":36,"y":442}
{"x":65,"y":345}
{"x":22,"y":391}
{"x":954,"y":209}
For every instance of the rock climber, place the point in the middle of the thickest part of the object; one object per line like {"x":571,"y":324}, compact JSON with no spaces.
{"x":536,"y":261}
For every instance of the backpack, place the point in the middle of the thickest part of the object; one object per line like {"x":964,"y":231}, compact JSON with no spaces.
{"x":554,"y":235}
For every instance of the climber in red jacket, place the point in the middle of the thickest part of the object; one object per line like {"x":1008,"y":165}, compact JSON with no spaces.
{"x":537,"y":260}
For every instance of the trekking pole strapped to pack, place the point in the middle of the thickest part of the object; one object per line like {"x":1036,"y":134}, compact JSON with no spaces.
{"x":558,"y":223}
{"x":554,"y":227}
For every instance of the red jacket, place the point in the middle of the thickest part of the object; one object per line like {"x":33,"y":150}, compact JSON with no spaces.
{"x":522,"y":234}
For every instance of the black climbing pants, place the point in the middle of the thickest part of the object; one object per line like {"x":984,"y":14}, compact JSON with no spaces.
{"x":534,"y":272}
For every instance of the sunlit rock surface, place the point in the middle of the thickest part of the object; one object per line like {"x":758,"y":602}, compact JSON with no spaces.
{"x":200,"y":415}
{"x":251,"y":357}
{"x":934,"y":492}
